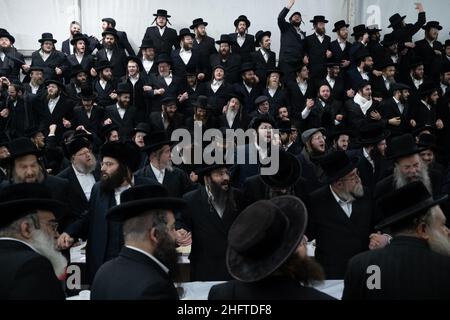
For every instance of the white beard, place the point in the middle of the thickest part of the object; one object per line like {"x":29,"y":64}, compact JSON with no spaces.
{"x":400,"y":180}
{"x":439,"y":243}
{"x":231,"y":115}
{"x":45,"y":245}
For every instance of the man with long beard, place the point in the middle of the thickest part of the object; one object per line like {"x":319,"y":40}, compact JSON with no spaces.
{"x":112,"y":53}
{"x":148,"y":263}
{"x":210,"y":211}
{"x":415,"y":265}
{"x":31,"y":263}
{"x":340,"y":215}
{"x":10,"y":59}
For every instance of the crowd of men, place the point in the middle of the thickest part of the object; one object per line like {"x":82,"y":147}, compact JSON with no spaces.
{"x":363,"y":140}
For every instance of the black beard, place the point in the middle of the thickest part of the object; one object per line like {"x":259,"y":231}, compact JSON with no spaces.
{"x":108,"y":185}
{"x":108,"y":46}
{"x":303,"y":269}
{"x":367,"y":68}
{"x":296,"y":24}
{"x":166,"y":253}
{"x":221,"y":197}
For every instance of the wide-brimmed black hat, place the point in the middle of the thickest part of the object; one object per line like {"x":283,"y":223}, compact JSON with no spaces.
{"x":185,"y":32}
{"x":385,"y":63}
{"x":87,"y":93}
{"x":36,"y":68}
{"x":372,"y":133}
{"x":197,"y":22}
{"x":402,"y":146}
{"x":265,"y":118}
{"x":103,"y":64}
{"x":225,"y":38}
{"x":110,"y":31}
{"x":161,"y":13}
{"x":395,"y":20}
{"x":139,"y":199}
{"x":155,"y":141}
{"x":337,"y":165}
{"x":359,"y":30}
{"x":288,"y":174}
{"x":236,"y":95}
{"x":142,"y":127}
{"x":428,"y":141}
{"x":362,"y":53}
{"x":295,"y":13}
{"x":388,"y":40}
{"x":163,"y":57}
{"x":54,"y":81}
{"x":22,"y":147}
{"x":136,"y":60}
{"x":317,"y":19}
{"x":284,"y":126}
{"x":339,"y":131}
{"x":276,"y":70}
{"x":5,"y":34}
{"x":242,"y":18}
{"x":111,"y":21}
{"x":415,"y":62}
{"x":398,"y":86}
{"x":261,"y":34}
{"x":339,"y":25}
{"x":206,"y":168}
{"x":264,"y":236}
{"x":447,"y":43}
{"x":428,"y":127}
{"x":75,"y":70}
{"x":432,"y":24}
{"x":47,"y":37}
{"x":427,"y":88}
{"x":125,"y":152}
{"x":76,"y":144}
{"x":19,"y":199}
{"x":405,"y":204}
{"x":247,"y":66}
{"x":147,"y":43}
{"x":373,"y":29}
{"x":32,"y":131}
{"x":168,"y":100}
{"x":79,"y":37}
{"x":107,"y":129}
{"x":124,"y":88}
{"x":202,"y":102}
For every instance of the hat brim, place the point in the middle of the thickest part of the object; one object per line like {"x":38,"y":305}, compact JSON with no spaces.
{"x":86,"y":98}
{"x":288,"y":181}
{"x":208,"y":169}
{"x":354,"y":162}
{"x":340,"y":27}
{"x":128,"y":210}
{"x":317,"y":21}
{"x":48,"y":39}
{"x":13,"y":157}
{"x":247,"y":269}
{"x":75,"y":40}
{"x":162,"y":15}
{"x":236,"y":22}
{"x":410,"y":212}
{"x":386,"y":134}
{"x":153,"y":147}
{"x":397,"y":22}
{"x":405,"y":153}
{"x":111,"y":33}
{"x":192,"y":27}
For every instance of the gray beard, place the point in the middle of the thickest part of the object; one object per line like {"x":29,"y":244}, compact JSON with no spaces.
{"x":45,"y":245}
{"x":439,"y":243}
{"x":86,"y":169}
{"x":400,"y":180}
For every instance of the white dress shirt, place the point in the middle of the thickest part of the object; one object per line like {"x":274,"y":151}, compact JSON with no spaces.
{"x":331,"y":81}
{"x":161,"y":30}
{"x":364,"y":75}
{"x":416,"y":82}
{"x":2,"y":56}
{"x":264,"y":54}
{"x":346,"y":206}
{"x":79,"y":57}
{"x":185,"y":55}
{"x":272,"y":92}
{"x":86,"y":182}
{"x":303,"y":86}
{"x":368,"y":158}
{"x":159,"y":174}
{"x":119,"y":190}
{"x":52,"y":104}
{"x":320,"y":37}
{"x":44,"y":55}
{"x":168,"y":79}
{"x":34,"y":89}
{"x":240,"y":39}
{"x":103,"y":83}
{"x":249,"y":89}
{"x":342,"y":43}
{"x":159,"y":263}
{"x":135,"y":79}
{"x":400,"y":106}
{"x":147,"y":65}
{"x":215,"y":85}
{"x":121,"y":111}
{"x":387,"y":83}
{"x":109,"y":54}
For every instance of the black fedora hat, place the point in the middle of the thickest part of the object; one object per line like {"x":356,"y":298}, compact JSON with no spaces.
{"x":295,"y":13}
{"x":288,"y":174}
{"x":261,"y":34}
{"x":110,"y":31}
{"x":123,"y":88}
{"x":107,"y":129}
{"x":236,"y":95}
{"x":398,"y":86}
{"x":242,"y":18}
{"x":47,"y":37}
{"x":337,"y":165}
{"x":372,"y":133}
{"x":338,"y":131}
{"x":276,"y":70}
{"x":111,"y":21}
{"x":19,"y":199}
{"x":447,"y":43}
{"x":77,"y":69}
{"x":202,"y":102}
{"x":79,"y":37}
{"x":415,"y":62}
{"x":32,"y":131}
{"x":247,"y":66}
{"x":419,"y":131}
{"x":136,"y":60}
{"x":428,"y":141}
{"x":385,"y":63}
{"x":168,"y":101}
{"x":427,"y":88}
{"x":126,"y":153}
{"x":225,"y":38}
{"x":205,"y":169}
{"x":22,"y":147}
{"x":161,"y":13}
{"x":139,"y":199}
{"x":395,"y":20}
{"x":373,"y":29}
{"x":405,"y":204}
{"x":142,"y":127}
{"x":389,"y":39}
{"x":54,"y":81}
{"x":265,"y":118}
{"x":36,"y":68}
{"x":198,"y":22}
{"x":87,"y":93}
{"x":339,"y":25}
{"x":317,"y":19}
{"x":359,"y":30}
{"x":76,"y":144}
{"x":185,"y":32}
{"x":163,"y":58}
{"x":147,"y":43}
{"x":264,"y":236}
{"x":362,"y":53}
{"x":155,"y":141}
{"x":402,"y":146}
{"x":432,"y":24}
{"x":103,"y":64}
{"x":284,"y":126}
{"x":5,"y":34}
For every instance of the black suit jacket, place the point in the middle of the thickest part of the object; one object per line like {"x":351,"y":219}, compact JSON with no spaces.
{"x":354,"y":78}
{"x":103,"y":98}
{"x":388,"y":110}
{"x":232,"y":66}
{"x":12,"y":67}
{"x":127,"y":124}
{"x":247,"y":47}
{"x":249,"y":98}
{"x":132,"y":276}
{"x":316,"y":52}
{"x":206,"y":47}
{"x":271,"y":288}
{"x":26,"y":275}
{"x":92,"y":124}
{"x":156,"y":122}
{"x":409,"y":271}
{"x":118,"y":61}
{"x":173,"y":90}
{"x":87,"y":63}
{"x":297,"y":100}
{"x":195,"y":62}
{"x":165,"y":43}
{"x":261,"y":65}
{"x":338,"y":53}
{"x":432,"y":61}
{"x":124,"y":43}
{"x":355,"y":116}
{"x":422,"y":115}
{"x":56,"y":59}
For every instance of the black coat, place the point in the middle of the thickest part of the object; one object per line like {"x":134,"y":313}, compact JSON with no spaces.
{"x":118,"y":61}
{"x":139,"y":97}
{"x":156,"y":122}
{"x":338,"y":237}
{"x":323,"y":116}
{"x":409,"y":271}
{"x":247,"y":47}
{"x":124,"y":43}
{"x":21,"y":117}
{"x":241,"y":121}
{"x":338,"y":91}
{"x":56,"y":59}
{"x":12,"y":67}
{"x":339,"y":54}
{"x":316,"y":52}
{"x":297,"y":100}
{"x":219,"y":98}
{"x":354,"y":78}
{"x":241,"y":171}
{"x":87,"y":63}
{"x":279,"y":99}
{"x":261,"y":65}
{"x":355,"y":116}
{"x":422,"y":115}
{"x":379,"y":87}
{"x":103,"y":98}
{"x":249,"y":98}
{"x":206,"y":47}
{"x":177,"y":182}
{"x":209,"y":235}
{"x":195,"y":62}
{"x":92,"y":124}
{"x":388,"y":109}
{"x":92,"y":43}
{"x":127,"y":124}
{"x":232,"y":66}
{"x":173,"y":90}
{"x":26,"y":275}
{"x":272,"y":288}
{"x":132,"y":276}
{"x":165,"y":43}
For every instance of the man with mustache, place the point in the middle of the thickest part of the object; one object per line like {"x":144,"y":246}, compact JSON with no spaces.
{"x":243,"y":43}
{"x":340,"y":215}
{"x":31,"y":263}
{"x":168,"y":119}
{"x":415,"y":265}
{"x":229,"y":61}
{"x":10,"y":58}
{"x":147,"y":265}
{"x":113,"y":53}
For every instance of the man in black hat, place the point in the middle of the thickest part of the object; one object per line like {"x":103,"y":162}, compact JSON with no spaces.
{"x":339,"y":138}
{"x":122,"y":114}
{"x":160,"y":168}
{"x":340,"y":215}
{"x":243,"y":43}
{"x":413,"y":266}
{"x":36,"y":85}
{"x":233,"y":116}
{"x":147,"y":265}
{"x":203,"y":113}
{"x":48,"y":58}
{"x":230,"y":61}
{"x":274,"y":89}
{"x":80,"y":55}
{"x":301,"y":92}
{"x":317,"y":48}
{"x":105,"y":85}
{"x":68,"y":46}
{"x":264,"y":59}
{"x":267,"y":255}
{"x":11,"y":60}
{"x":424,"y":111}
{"x":362,"y":69}
{"x":4,"y":155}
{"x":28,"y":252}
{"x":122,"y":39}
{"x":190,"y":91}
{"x":381,"y":85}
{"x":20,"y":114}
{"x":340,"y":47}
{"x":79,"y":78}
{"x":110,"y":133}
{"x":210,"y":211}
{"x":249,"y":87}
{"x":292,"y":41}
{"x":395,"y":110}
{"x":147,"y":50}
{"x":164,"y":38}
{"x":202,"y":42}
{"x":87,"y":114}
{"x":168,"y":119}
{"x":361,"y":36}
{"x":186,"y":57}
{"x":111,"y":52}
{"x":430,"y":49}
{"x":374,"y":46}
{"x":336,"y":80}
{"x":430,"y":154}
{"x":262,"y":108}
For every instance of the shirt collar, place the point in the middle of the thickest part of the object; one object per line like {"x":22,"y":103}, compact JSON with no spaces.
{"x":338,"y":200}
{"x":159,"y":263}
{"x":396,"y":101}
{"x":55,"y":101}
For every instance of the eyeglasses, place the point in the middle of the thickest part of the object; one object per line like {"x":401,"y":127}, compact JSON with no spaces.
{"x":53,"y":225}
